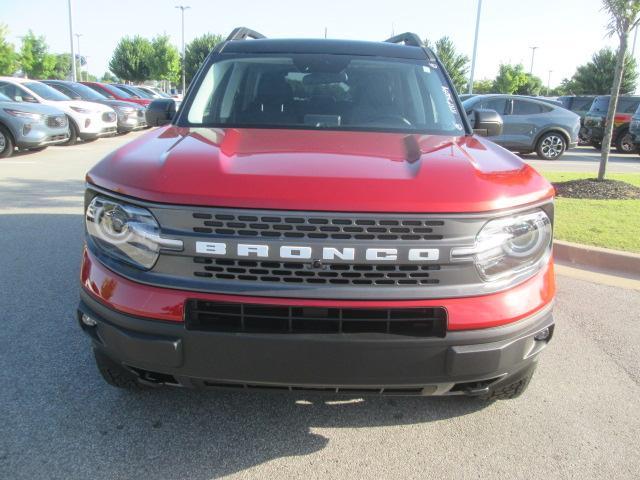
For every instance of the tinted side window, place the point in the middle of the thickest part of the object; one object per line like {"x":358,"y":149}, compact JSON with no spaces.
{"x":497,"y":104}
{"x":600,"y":105}
{"x":64,"y":89}
{"x":522,"y":107}
{"x":11,"y":91}
{"x":581,"y":104}
{"x":627,"y":105}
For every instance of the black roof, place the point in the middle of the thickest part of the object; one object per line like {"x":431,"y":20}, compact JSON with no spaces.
{"x":330,"y":46}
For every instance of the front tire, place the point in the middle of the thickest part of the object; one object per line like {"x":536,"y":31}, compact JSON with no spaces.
{"x":73,"y":133}
{"x":551,"y":146}
{"x":624,"y":143}
{"x":512,"y":389}
{"x":596,"y":145}
{"x":6,"y":143}
{"x":115,"y":374}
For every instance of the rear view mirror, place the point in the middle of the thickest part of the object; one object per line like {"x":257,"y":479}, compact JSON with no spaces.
{"x":161,"y":111}
{"x":487,"y":123}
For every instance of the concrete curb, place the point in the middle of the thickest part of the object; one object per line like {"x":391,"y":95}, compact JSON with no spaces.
{"x":597,"y":257}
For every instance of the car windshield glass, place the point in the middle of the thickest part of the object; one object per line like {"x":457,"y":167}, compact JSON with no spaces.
{"x":600,"y":105}
{"x":87,"y":93}
{"x":45,"y":91}
{"x":119,"y":92}
{"x":319,"y":91}
{"x":140,"y":92}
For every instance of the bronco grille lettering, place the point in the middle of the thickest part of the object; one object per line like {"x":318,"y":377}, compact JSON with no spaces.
{"x":306,"y":252}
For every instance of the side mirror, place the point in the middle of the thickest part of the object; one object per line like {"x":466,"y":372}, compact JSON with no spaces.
{"x":160,"y":112}
{"x":487,"y":123}
{"x":29,"y":99}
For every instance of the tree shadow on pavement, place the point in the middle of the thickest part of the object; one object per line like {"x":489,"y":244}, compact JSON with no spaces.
{"x":33,"y":193}
{"x":62,"y":421}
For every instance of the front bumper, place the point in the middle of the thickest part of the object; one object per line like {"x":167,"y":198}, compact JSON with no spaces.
{"x":463,"y":362}
{"x":33,"y":135}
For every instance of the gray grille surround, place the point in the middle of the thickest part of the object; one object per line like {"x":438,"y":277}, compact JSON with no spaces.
{"x":274,"y":277}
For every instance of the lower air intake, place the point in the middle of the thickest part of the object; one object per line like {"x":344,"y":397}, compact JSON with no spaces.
{"x":284,"y":319}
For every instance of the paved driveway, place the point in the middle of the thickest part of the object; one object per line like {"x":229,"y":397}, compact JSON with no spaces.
{"x":579,"y":419}
{"x":587,"y":159}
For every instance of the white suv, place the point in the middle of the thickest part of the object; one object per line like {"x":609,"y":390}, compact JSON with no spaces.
{"x":87,"y":120}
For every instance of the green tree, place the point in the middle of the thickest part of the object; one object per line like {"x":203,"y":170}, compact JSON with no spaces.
{"x":131,"y":59}
{"x":509,"y":79}
{"x":8,"y":56}
{"x":624,"y":16}
{"x":165,"y":62}
{"x":456,"y":64}
{"x":196,"y":52}
{"x":596,"y":76}
{"x":62,"y":67}
{"x":532,"y":85}
{"x":108,"y":77}
{"x":483,"y":86}
{"x":35,"y":59}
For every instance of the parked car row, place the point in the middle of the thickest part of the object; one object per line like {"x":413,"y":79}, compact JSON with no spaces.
{"x":35,"y":114}
{"x":529,"y":124}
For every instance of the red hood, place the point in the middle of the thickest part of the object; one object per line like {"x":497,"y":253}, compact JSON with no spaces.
{"x":320,"y":170}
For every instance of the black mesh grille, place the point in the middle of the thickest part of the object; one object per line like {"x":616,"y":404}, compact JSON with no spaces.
{"x":317,"y":227}
{"x":257,"y":318}
{"x":304,"y":273}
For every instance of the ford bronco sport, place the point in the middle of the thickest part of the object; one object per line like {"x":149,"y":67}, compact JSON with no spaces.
{"x":319,"y":215}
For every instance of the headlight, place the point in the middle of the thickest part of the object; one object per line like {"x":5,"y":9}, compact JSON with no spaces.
{"x":36,"y":117}
{"x":84,"y":111}
{"x":127,"y":233}
{"x":509,"y":246}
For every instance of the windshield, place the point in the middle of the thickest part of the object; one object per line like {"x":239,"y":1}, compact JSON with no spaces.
{"x":46,"y":92}
{"x":119,"y":91}
{"x":128,"y":90}
{"x":140,"y":92}
{"x":87,"y":93}
{"x":319,"y":91}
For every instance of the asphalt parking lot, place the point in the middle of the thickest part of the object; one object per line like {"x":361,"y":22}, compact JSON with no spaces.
{"x":579,"y":419}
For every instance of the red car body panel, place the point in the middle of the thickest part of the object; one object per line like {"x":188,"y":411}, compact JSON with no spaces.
{"x":320,"y":171}
{"x":469,"y":313}
{"x":109,"y":90}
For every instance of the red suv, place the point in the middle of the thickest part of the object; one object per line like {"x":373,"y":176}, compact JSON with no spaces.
{"x":115,"y":93}
{"x":319,"y":216}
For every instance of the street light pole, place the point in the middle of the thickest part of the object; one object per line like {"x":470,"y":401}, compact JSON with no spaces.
{"x":549,"y":82}
{"x":184,"y":80}
{"x":78,"y":35}
{"x":73,"y":53}
{"x":533,"y":54}
{"x":475,"y":48}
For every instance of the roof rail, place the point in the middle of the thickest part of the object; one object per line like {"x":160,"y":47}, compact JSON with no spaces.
{"x":242,"y":33}
{"x":407,"y":38}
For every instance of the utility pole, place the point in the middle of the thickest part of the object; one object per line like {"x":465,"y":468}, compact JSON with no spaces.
{"x":635,"y":37}
{"x":475,"y":48}
{"x":184,"y":81}
{"x":78,"y":35}
{"x":549,"y":82}
{"x":73,"y":53}
{"x":533,"y":54}
{"x":325,"y":32}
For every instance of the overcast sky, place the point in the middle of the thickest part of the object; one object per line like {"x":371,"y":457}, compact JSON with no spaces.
{"x":567,"y":32}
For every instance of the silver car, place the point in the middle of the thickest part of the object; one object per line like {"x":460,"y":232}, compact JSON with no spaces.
{"x":30,"y":126}
{"x":530,"y":125}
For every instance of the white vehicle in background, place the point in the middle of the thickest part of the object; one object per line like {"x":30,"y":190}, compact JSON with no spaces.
{"x":87,"y":120}
{"x":157,"y":93}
